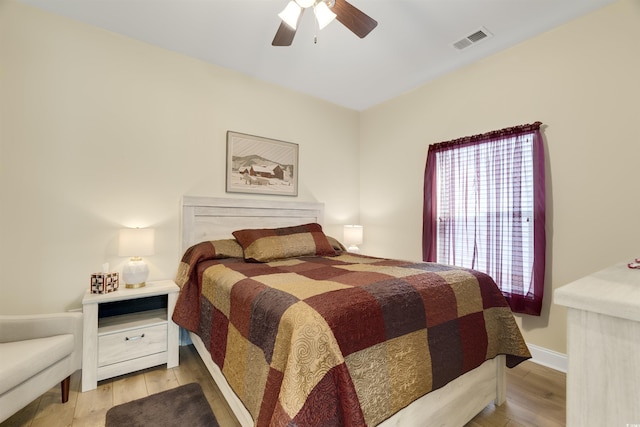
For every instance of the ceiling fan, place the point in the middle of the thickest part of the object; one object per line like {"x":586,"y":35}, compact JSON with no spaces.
{"x":325,"y":11}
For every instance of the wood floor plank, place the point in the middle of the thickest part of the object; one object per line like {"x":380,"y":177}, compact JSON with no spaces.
{"x":159,"y":380}
{"x":52,"y":412}
{"x":62,"y":417}
{"x":23,"y":417}
{"x":52,"y":408}
{"x":128,"y":388}
{"x":92,"y":406}
{"x":535,"y":397}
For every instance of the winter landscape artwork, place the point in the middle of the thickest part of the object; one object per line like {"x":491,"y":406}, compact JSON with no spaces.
{"x":261,"y":165}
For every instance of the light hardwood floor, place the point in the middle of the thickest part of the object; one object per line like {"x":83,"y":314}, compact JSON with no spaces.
{"x":535,"y":397}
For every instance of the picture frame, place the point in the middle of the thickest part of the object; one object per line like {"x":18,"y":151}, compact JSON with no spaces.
{"x":261,"y":165}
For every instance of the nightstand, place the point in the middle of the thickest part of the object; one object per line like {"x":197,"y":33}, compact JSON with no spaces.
{"x":128,"y":330}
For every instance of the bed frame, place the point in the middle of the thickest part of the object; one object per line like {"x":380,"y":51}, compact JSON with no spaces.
{"x":210,"y":218}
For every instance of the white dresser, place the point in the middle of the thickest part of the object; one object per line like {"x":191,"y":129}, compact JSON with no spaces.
{"x":603,"y":322}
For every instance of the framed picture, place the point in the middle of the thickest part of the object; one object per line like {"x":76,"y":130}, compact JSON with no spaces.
{"x":261,"y":165}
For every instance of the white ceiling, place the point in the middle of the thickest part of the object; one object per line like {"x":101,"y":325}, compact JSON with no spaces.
{"x":411,"y":45}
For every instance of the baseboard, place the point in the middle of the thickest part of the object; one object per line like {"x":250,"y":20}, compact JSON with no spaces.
{"x":549,"y":358}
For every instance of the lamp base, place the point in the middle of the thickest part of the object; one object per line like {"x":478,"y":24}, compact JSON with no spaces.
{"x":135,"y":273}
{"x":135,"y":286}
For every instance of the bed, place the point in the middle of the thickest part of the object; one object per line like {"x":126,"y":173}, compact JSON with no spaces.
{"x":308,"y":358}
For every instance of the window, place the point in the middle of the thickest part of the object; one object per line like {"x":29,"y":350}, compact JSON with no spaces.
{"x":484,"y":208}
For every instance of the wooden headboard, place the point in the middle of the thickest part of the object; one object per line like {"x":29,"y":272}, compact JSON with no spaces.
{"x":211,"y":218}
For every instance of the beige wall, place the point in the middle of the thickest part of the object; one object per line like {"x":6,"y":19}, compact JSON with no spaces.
{"x":582,"y":81}
{"x":100,"y":131}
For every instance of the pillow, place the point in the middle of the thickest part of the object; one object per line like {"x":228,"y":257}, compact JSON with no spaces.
{"x":227,"y":248}
{"x":269,"y":244}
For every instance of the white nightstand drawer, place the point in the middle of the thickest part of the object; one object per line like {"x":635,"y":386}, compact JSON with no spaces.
{"x":131,"y":344}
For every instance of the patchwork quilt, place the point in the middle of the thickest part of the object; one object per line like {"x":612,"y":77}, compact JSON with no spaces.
{"x":341,"y":340}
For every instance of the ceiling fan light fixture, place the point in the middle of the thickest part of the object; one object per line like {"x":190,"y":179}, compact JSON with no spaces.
{"x":290,"y":14}
{"x":324,"y":15}
{"x":325,"y":11}
{"x":305,"y":3}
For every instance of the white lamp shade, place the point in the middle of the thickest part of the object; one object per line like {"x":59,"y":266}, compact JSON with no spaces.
{"x":290,"y":14}
{"x":324,"y":15}
{"x":136,"y":242}
{"x":353,"y":234}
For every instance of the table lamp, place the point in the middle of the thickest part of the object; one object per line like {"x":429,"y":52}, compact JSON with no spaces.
{"x":135,"y":243}
{"x":353,"y":237}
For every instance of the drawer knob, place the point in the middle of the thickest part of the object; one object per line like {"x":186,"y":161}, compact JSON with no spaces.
{"x":139,"y":337}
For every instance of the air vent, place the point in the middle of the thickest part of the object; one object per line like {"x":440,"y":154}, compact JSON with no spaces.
{"x":473,"y":38}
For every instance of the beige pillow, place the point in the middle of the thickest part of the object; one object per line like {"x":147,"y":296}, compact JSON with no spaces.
{"x":269,"y":244}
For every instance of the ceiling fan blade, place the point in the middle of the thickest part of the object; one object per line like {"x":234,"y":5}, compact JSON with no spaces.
{"x":353,"y":18}
{"x":285,"y":34}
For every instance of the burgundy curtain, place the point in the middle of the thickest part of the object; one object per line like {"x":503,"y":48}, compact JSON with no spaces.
{"x":482,"y":176}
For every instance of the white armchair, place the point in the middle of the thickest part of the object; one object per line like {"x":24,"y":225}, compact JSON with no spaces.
{"x":36,"y":353}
